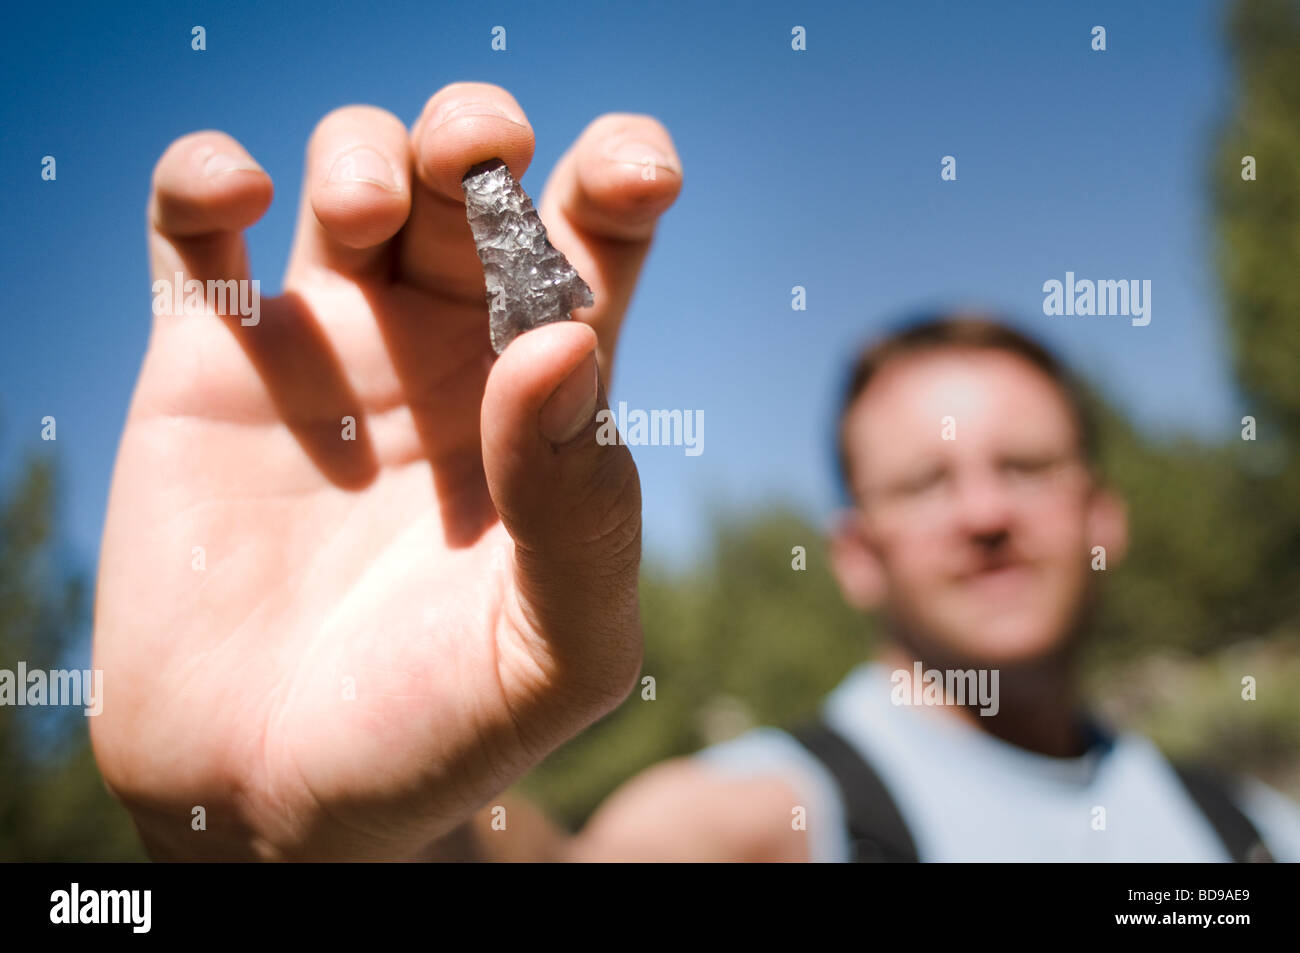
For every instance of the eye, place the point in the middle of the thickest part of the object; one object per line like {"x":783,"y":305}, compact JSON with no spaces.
{"x":1030,"y":465}
{"x":919,"y":482}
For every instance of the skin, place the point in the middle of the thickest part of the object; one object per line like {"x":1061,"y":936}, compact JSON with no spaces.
{"x":467,"y":563}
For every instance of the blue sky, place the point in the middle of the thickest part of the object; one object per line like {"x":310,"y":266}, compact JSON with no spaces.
{"x":817,"y":168}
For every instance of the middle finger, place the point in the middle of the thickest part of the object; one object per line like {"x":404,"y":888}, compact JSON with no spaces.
{"x":462,"y":125}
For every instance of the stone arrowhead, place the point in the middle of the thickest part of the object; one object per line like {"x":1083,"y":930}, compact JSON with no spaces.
{"x":529,"y":282}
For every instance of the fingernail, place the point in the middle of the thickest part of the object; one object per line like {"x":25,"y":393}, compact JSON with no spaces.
{"x":639,"y":153}
{"x":364,"y":165}
{"x":222,"y":162}
{"x":449,"y":111}
{"x":572,"y":405}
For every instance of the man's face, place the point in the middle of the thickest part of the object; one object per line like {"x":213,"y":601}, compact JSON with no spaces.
{"x":976,"y":511}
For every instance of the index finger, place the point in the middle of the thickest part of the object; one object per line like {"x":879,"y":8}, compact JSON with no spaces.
{"x":600,"y":207}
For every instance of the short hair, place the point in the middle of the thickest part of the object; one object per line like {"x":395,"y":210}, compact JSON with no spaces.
{"x":961,"y":331}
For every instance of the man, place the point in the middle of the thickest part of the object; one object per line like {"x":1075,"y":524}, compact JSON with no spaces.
{"x":346,"y":644}
{"x":969,"y":455}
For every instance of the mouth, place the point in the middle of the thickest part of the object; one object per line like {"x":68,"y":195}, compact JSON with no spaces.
{"x":1000,"y":581}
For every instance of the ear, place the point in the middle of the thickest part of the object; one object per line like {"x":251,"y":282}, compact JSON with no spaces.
{"x":1108,"y":524}
{"x":858,"y":571}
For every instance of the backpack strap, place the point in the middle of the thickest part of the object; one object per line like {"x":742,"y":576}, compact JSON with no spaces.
{"x":1210,"y":790}
{"x":878,"y":833}
{"x":876,"y":829}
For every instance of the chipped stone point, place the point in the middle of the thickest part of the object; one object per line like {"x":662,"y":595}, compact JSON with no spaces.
{"x":529,"y":282}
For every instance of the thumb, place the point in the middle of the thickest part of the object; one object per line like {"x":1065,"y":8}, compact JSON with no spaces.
{"x":572,"y":505}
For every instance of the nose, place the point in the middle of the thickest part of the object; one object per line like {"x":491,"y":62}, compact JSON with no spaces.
{"x":983,"y":508}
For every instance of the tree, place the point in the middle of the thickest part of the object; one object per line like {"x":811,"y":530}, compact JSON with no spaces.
{"x":1258,"y":255}
{"x":53,"y":805}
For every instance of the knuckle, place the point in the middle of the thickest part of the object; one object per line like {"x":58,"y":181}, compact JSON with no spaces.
{"x":607,"y":508}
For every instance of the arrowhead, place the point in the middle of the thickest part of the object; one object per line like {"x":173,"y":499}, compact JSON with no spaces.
{"x":529,"y":282}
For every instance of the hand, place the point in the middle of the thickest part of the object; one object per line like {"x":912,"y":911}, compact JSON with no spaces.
{"x":340,"y":647}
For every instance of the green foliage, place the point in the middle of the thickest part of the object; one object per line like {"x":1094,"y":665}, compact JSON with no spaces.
{"x":1192,"y":577}
{"x":53,"y":806}
{"x":1192,"y":706}
{"x":1258,"y":254}
{"x":1259,"y":243}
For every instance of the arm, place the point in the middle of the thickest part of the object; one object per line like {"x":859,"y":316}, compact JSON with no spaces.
{"x":679,"y":810}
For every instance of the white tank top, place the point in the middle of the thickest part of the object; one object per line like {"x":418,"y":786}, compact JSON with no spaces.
{"x":968,"y":796}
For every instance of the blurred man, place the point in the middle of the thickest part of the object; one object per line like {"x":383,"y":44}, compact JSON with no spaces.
{"x":969,"y":455}
{"x":359,"y":576}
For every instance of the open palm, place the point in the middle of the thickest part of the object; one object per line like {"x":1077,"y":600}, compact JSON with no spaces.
{"x":359,"y":574}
